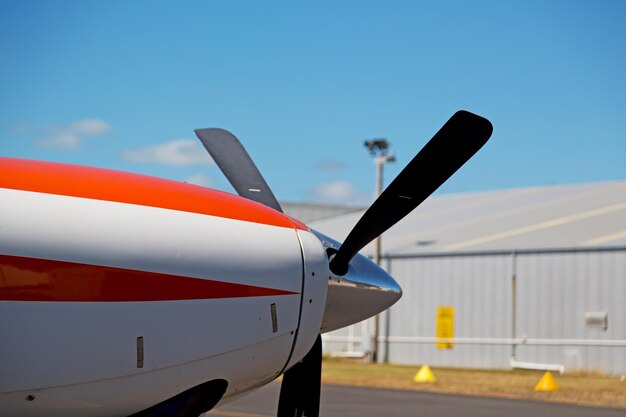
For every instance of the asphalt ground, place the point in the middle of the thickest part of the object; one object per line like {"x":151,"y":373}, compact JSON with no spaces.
{"x":344,"y":401}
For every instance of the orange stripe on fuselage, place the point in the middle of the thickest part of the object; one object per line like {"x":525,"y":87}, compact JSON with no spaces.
{"x":29,"y":279}
{"x":123,"y":187}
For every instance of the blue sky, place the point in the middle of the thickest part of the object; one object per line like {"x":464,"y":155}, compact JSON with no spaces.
{"x":122,"y":85}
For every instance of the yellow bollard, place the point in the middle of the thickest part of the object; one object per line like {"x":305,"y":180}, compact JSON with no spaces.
{"x":424,"y":375}
{"x":547,"y":383}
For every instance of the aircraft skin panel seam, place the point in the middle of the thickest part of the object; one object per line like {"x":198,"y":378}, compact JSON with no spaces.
{"x":297,"y":331}
{"x":142,"y":372}
{"x":121,"y":389}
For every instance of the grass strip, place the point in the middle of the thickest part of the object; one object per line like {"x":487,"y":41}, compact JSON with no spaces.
{"x":579,"y":388}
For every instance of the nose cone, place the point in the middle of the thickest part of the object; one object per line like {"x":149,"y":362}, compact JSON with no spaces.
{"x":364,"y":291}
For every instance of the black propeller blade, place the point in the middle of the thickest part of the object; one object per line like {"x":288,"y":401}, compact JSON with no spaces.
{"x":455,"y":143}
{"x":300,"y":389}
{"x":232,"y":158}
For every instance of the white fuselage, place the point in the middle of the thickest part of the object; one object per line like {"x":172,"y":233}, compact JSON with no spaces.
{"x":108,"y":307}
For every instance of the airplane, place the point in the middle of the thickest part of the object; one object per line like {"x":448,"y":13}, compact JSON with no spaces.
{"x":128,"y":295}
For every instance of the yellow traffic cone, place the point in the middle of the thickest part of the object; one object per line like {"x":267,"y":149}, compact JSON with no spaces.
{"x":424,"y":375}
{"x":547,"y":383}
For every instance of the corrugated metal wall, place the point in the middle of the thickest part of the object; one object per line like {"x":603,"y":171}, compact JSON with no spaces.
{"x":554,"y":290}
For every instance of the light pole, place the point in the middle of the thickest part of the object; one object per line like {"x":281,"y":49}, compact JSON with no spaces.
{"x":379,"y":148}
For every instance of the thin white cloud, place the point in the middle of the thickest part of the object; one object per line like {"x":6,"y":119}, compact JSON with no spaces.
{"x":201,"y":179}
{"x":21,"y":127}
{"x":177,"y":153}
{"x":72,"y":135}
{"x":340,"y":192}
{"x":331,"y":165}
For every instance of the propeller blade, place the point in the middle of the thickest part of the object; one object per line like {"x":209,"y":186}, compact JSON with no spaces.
{"x":300,"y":389}
{"x":231,"y":157}
{"x":455,"y":143}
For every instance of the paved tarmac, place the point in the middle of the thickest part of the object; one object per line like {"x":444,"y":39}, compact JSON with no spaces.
{"x":342,"y":401}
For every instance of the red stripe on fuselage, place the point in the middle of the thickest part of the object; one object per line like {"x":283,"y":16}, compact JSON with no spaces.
{"x":124,"y":187}
{"x":29,"y":279}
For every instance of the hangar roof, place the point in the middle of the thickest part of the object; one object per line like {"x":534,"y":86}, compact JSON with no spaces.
{"x":562,"y":216}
